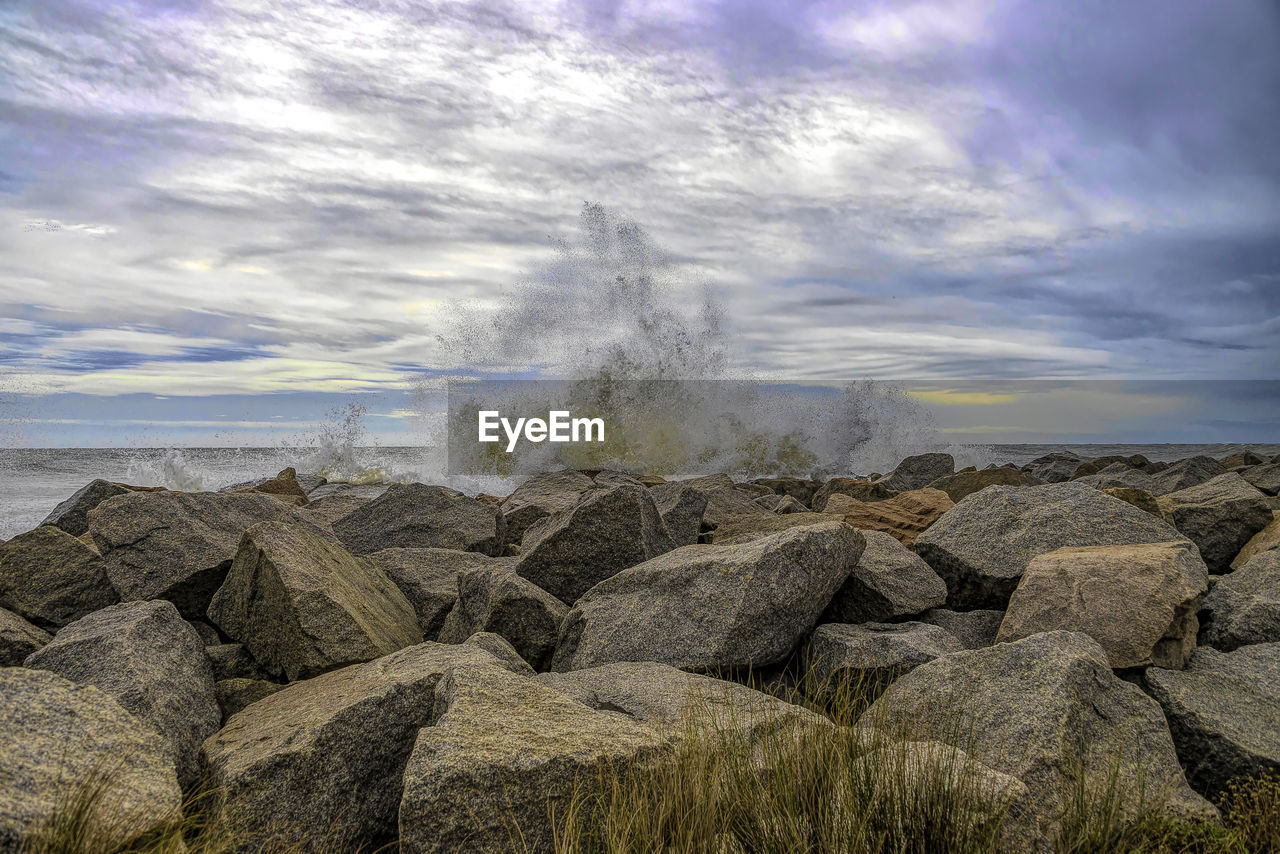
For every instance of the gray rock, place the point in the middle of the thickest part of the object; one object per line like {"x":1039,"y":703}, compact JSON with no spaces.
{"x":414,"y":515}
{"x":960,"y":484}
{"x":1121,"y":476}
{"x":1054,"y":468}
{"x":974,"y":629}
{"x":329,"y":752}
{"x":729,"y":503}
{"x":681,"y":509}
{"x":72,"y":515}
{"x":771,"y":501}
{"x":146,"y":657}
{"x":1224,"y":713}
{"x":1244,"y":607}
{"x":1186,"y":473}
{"x":333,"y":501}
{"x":981,"y":546}
{"x":889,"y":582}
{"x":919,"y":471}
{"x":541,"y":496}
{"x":178,"y":545}
{"x":1264,"y":541}
{"x":1219,"y":516}
{"x":801,"y":490}
{"x":1264,"y":477}
{"x":609,"y":529}
{"x":58,"y":736}
{"x":283,"y":486}
{"x":428,"y":578}
{"x":501,"y":649}
{"x":208,"y":634}
{"x":235,"y":694}
{"x":233,"y":661}
{"x":1097,"y":464}
{"x":1048,"y":711}
{"x":18,"y":638}
{"x":497,"y":600}
{"x":870,"y":656}
{"x":708,"y":607}
{"x":859,"y":490}
{"x":1140,"y":498}
{"x":743,"y":529}
{"x":50,"y":578}
{"x":301,"y":604}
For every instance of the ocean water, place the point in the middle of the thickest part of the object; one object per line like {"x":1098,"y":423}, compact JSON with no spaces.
{"x":34,"y":480}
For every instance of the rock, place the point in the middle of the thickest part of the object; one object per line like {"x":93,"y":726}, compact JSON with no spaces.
{"x":1054,"y":468}
{"x":414,"y":515}
{"x":960,"y":484}
{"x":1140,"y":498}
{"x":982,"y":545}
{"x":233,"y":661}
{"x":208,"y":634}
{"x":859,"y":490}
{"x":146,"y":657}
{"x":770,"y":501}
{"x":334,"y":501}
{"x":1097,"y":464}
{"x":178,"y":545}
{"x":870,"y":656}
{"x":1263,"y":541}
{"x":301,"y":604}
{"x":974,"y":629}
{"x":329,"y":752}
{"x":72,"y":515}
{"x":919,"y":471}
{"x":50,"y":578}
{"x":501,"y":649}
{"x":904,"y":516}
{"x":1241,"y":459}
{"x":1265,"y":477}
{"x":284,"y":486}
{"x":888,"y":583}
{"x":1219,"y":516}
{"x":58,"y":736}
{"x":497,"y":600}
{"x":741,"y":529}
{"x":681,"y":509}
{"x":310,"y":482}
{"x":1119,"y":475}
{"x":755,"y":490}
{"x":706,"y":607}
{"x":801,"y":490}
{"x":428,"y":578}
{"x":1187,"y":473}
{"x":1244,"y":607}
{"x":235,"y":694}
{"x":1224,"y":713}
{"x":789,"y":505}
{"x":1048,"y":711}
{"x":541,"y":496}
{"x":608,"y":530}
{"x":504,"y":754}
{"x":728,"y":503}
{"x":18,"y":638}
{"x":1138,"y":602}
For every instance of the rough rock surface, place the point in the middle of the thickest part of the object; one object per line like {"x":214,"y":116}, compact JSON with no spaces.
{"x":1187,"y":473}
{"x":1140,"y":498}
{"x":1097,"y":464}
{"x":889,"y":582}
{"x":428,"y":578}
{"x":233,"y":661}
{"x":719,"y":606}
{"x":608,"y":530}
{"x":56,"y":735}
{"x":18,"y":638}
{"x":1264,"y":477}
{"x":801,"y":490}
{"x":50,"y":578}
{"x":302,"y":604}
{"x":72,"y":515}
{"x":741,"y":529}
{"x":728,"y":503}
{"x":284,"y":486}
{"x":904,"y":516}
{"x":146,"y":657}
{"x":1224,"y":713}
{"x":1119,"y":475}
{"x":1264,"y":541}
{"x":541,"y":496}
{"x":982,"y":545}
{"x":1138,"y":602}
{"x":334,"y":501}
{"x":1054,"y":468}
{"x":1244,"y":607}
{"x":1219,"y":516}
{"x":974,"y":629}
{"x":414,"y":515}
{"x":329,"y":752}
{"x":859,"y":490}
{"x":681,"y":509}
{"x":1241,"y":459}
{"x":919,"y":471}
{"x":871,"y":655}
{"x":958,"y":485}
{"x":235,"y":694}
{"x":497,"y":600}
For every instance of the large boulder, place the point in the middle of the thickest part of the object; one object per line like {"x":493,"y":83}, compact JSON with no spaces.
{"x":858,"y":490}
{"x":1268,"y":539}
{"x":1056,"y":467}
{"x":234,"y":695}
{"x":59,"y":737}
{"x":1264,"y":477}
{"x":414,"y":515}
{"x":681,"y":509}
{"x":51,"y":578}
{"x":1138,"y":602}
{"x":1219,"y":516}
{"x":904,"y":516}
{"x":801,"y":490}
{"x":1097,"y":464}
{"x":327,"y":754}
{"x":233,"y":661}
{"x":302,"y":604}
{"x":974,"y":629}
{"x":178,"y":545}
{"x":869,"y":656}
{"x":889,"y":582}
{"x":541,"y":496}
{"x":428,"y":578}
{"x":1244,"y":607}
{"x":284,"y":486}
{"x":495,"y":599}
{"x":1121,"y":476}
{"x":1241,"y":459}
{"x":1186,"y":473}
{"x":18,"y":638}
{"x":334,"y":501}
{"x":72,"y":515}
{"x":919,"y":471}
{"x":743,"y":604}
{"x":504,"y":756}
{"x":958,"y":485}
{"x":1140,"y":498}
{"x":609,"y":529}
{"x":1224,"y":713}
{"x":1049,"y":711}
{"x":147,"y":658}
{"x":982,"y":545}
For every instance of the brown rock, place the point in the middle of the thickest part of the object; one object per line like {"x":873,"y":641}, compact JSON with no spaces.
{"x":51,"y":578}
{"x":905,"y":516}
{"x":958,"y":485}
{"x":860,"y":490}
{"x":283,"y":486}
{"x":1139,"y":498}
{"x":1263,"y":541}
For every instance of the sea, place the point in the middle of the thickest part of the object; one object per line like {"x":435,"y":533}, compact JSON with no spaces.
{"x":34,"y":480}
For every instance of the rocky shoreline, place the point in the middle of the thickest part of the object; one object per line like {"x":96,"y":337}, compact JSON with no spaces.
{"x":405,"y":662}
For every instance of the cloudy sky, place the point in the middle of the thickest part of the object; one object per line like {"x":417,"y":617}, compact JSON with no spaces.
{"x":220,"y":220}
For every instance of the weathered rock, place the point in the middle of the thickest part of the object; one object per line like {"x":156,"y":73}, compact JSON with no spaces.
{"x":608,"y":530}
{"x":1097,"y":464}
{"x":708,"y":607}
{"x":428,"y":578}
{"x":178,"y":545}
{"x":1241,"y":459}
{"x":497,"y":600}
{"x":541,"y":496}
{"x":1219,"y":516}
{"x":859,"y":490}
{"x":960,"y":484}
{"x":146,"y":657}
{"x":72,"y":515}
{"x":1244,"y":607}
{"x":974,"y":629}
{"x":334,"y":501}
{"x":501,"y":649}
{"x":284,"y":486}
{"x":1049,"y":711}
{"x":1186,"y":473}
{"x":1140,"y":498}
{"x":1138,"y":602}
{"x":507,"y":750}
{"x":681,"y":508}
{"x":982,"y":545}
{"x":1263,"y":541}
{"x":801,"y":490}
{"x":302,"y":604}
{"x":919,"y":471}
{"x":208,"y":634}
{"x":770,"y":501}
{"x":1119,"y":475}
{"x":235,"y":694}
{"x":729,"y":503}
{"x":1224,"y":713}
{"x":889,"y":582}
{"x":741,"y":529}
{"x":18,"y":638}
{"x":233,"y":661}
{"x":904,"y":516}
{"x":870,"y":656}
{"x":1264,"y":477}
{"x":755,"y":490}
{"x":789,"y":505}
{"x":414,"y":515}
{"x":58,"y":736}
{"x":1054,"y":468}
{"x":329,"y":752}
{"x":50,"y":578}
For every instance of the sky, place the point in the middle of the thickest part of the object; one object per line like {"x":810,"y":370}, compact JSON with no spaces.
{"x":221,"y":221}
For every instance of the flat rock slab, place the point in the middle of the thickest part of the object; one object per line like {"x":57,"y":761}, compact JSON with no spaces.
{"x":50,"y":578}
{"x":1219,"y":516}
{"x":1244,"y":607}
{"x":889,"y":582}
{"x":415,"y":515}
